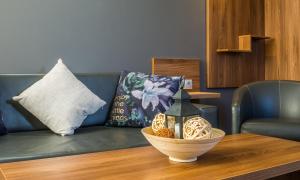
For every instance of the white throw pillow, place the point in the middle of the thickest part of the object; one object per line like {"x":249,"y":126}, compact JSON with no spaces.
{"x":59,"y":100}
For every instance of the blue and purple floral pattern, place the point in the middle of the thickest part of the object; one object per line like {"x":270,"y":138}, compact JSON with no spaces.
{"x":140,"y":97}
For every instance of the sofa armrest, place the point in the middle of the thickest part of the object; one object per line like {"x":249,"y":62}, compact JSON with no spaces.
{"x":242,"y":108}
{"x":3,"y":129}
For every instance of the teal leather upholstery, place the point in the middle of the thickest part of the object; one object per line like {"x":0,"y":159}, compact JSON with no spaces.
{"x":284,"y":128}
{"x":29,"y":139}
{"x":269,"y":108}
{"x":16,"y":118}
{"x":3,"y":129}
{"x":210,"y":113}
{"x":43,"y":144}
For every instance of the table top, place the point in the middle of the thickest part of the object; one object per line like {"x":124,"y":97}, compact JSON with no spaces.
{"x":2,"y":177}
{"x":204,"y":95}
{"x":236,"y":156}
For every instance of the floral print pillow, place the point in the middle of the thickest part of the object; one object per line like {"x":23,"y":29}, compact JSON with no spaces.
{"x":140,"y":97}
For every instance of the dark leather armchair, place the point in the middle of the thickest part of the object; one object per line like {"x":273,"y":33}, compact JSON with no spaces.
{"x":269,"y":108}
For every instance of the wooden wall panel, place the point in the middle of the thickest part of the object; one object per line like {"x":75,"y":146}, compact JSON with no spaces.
{"x":189,"y":68}
{"x":225,"y":21}
{"x":282,"y":19}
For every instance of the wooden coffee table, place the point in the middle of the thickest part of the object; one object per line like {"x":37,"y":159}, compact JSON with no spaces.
{"x":1,"y":175}
{"x":245,"y":156}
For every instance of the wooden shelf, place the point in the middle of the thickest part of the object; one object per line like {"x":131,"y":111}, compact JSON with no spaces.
{"x":204,"y":95}
{"x":260,"y":37}
{"x":245,"y":44}
{"x":232,"y":51}
{"x":226,"y":20}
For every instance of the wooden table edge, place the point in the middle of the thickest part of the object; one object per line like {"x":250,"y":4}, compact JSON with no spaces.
{"x":2,"y":175}
{"x":204,"y":95}
{"x":267,"y":173}
{"x":263,"y":173}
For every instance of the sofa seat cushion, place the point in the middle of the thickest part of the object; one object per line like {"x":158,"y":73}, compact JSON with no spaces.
{"x":43,"y":144}
{"x":282,"y":128}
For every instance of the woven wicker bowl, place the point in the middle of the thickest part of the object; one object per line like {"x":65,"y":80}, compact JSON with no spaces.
{"x":182,"y":150}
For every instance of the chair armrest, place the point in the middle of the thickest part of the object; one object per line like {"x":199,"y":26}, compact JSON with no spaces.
{"x":242,"y":108}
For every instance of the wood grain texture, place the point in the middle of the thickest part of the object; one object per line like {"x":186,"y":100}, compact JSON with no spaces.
{"x":204,"y":95}
{"x":226,"y":21}
{"x":237,"y":156}
{"x":283,"y":52}
{"x":245,"y":44}
{"x":189,"y":68}
{"x":233,"y":51}
{"x":2,"y":177}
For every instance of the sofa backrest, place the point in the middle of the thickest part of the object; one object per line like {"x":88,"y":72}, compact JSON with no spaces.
{"x":16,"y":118}
{"x":275,"y":99}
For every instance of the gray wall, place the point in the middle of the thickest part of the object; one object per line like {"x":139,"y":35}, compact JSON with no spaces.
{"x":95,"y":35}
{"x":103,"y":35}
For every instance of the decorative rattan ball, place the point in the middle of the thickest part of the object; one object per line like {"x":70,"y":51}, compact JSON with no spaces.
{"x":197,"y":128}
{"x":158,"y":122}
{"x":165,"y":132}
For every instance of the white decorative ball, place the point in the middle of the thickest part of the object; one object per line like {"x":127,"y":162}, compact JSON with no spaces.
{"x":158,"y":122}
{"x":197,"y":128}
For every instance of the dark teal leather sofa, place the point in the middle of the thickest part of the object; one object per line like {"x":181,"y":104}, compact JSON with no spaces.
{"x":28,"y":139}
{"x":269,"y":108}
